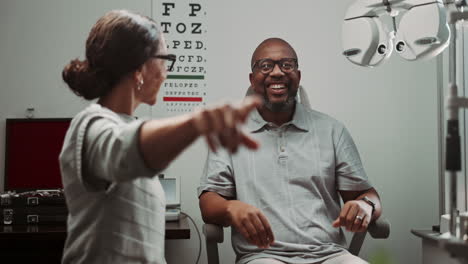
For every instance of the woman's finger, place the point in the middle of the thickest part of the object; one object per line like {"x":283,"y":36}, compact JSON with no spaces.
{"x":248,"y":141}
{"x":250,"y":103}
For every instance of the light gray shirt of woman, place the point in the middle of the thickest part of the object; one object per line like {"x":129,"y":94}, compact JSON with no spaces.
{"x":116,"y":204}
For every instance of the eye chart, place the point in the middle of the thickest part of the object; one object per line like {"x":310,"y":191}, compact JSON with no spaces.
{"x":183,"y":24}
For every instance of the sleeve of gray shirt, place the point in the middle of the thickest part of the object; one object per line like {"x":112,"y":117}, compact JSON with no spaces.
{"x":218,"y":175}
{"x":112,"y":153}
{"x":350,"y":174}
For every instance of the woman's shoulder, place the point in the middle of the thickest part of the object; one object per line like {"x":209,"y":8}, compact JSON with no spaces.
{"x":95,"y":111}
{"x":91,"y":114}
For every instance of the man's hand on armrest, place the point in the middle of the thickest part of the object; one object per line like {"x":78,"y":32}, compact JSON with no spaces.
{"x":359,"y":209}
{"x":248,"y":220}
{"x":355,"y":216}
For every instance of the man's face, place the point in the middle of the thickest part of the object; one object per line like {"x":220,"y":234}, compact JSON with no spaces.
{"x":278,"y":87}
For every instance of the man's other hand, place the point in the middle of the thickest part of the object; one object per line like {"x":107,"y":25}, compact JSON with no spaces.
{"x":251,"y":223}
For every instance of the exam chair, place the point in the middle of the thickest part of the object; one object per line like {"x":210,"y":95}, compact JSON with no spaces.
{"x":214,"y":234}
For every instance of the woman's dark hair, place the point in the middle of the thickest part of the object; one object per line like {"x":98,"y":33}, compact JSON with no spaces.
{"x":119,"y":43}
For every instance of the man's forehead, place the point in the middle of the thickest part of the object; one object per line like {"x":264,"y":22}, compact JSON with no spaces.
{"x":274,"y":49}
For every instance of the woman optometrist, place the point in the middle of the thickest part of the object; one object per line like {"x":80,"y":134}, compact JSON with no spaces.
{"x":109,"y":159}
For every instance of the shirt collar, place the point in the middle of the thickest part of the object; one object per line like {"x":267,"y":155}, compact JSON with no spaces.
{"x":256,"y":122}
{"x":124,"y":117}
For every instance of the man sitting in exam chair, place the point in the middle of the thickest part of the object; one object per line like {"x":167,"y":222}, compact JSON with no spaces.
{"x":283,"y":201}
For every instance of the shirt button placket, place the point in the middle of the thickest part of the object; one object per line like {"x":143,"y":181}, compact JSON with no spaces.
{"x":282,"y":149}
{"x":282,"y":145}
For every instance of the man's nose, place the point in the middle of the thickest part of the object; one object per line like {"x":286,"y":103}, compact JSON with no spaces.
{"x":276,"y":71}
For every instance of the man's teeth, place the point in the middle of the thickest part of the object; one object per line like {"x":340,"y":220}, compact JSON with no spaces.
{"x":277,"y":86}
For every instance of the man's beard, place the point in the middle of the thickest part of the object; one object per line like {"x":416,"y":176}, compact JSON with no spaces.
{"x":281,"y":106}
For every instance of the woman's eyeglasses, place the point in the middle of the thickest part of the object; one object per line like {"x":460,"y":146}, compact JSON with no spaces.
{"x":170,"y":57}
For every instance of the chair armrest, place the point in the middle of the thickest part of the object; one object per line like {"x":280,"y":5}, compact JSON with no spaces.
{"x":213,"y":233}
{"x":380,"y":228}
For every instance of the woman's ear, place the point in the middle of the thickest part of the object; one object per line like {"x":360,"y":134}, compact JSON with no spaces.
{"x":137,"y":75}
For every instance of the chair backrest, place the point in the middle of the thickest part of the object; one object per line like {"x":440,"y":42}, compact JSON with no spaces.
{"x":301,"y":95}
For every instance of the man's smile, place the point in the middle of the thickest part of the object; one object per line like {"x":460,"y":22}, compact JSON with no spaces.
{"x":277,"y":89}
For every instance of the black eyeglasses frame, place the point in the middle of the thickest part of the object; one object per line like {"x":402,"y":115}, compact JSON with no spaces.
{"x":276,"y":62}
{"x":170,"y":57}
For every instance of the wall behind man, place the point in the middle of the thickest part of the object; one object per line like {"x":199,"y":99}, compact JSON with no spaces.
{"x":390,"y":110}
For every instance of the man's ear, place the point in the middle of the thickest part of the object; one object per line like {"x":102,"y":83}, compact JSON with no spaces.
{"x":251,"y":79}
{"x":299,"y":75}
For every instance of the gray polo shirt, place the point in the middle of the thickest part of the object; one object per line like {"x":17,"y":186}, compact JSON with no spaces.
{"x":116,"y":206}
{"x":293,"y":179}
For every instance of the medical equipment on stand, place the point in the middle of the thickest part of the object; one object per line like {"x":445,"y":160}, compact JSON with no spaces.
{"x":424,"y":30}
{"x":368,"y":42}
{"x":454,"y":103}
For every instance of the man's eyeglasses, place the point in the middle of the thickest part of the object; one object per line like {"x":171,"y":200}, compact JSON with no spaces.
{"x":170,"y":57}
{"x":266,"y":66}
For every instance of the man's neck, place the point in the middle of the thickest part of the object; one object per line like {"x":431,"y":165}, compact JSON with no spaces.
{"x":277,"y":118}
